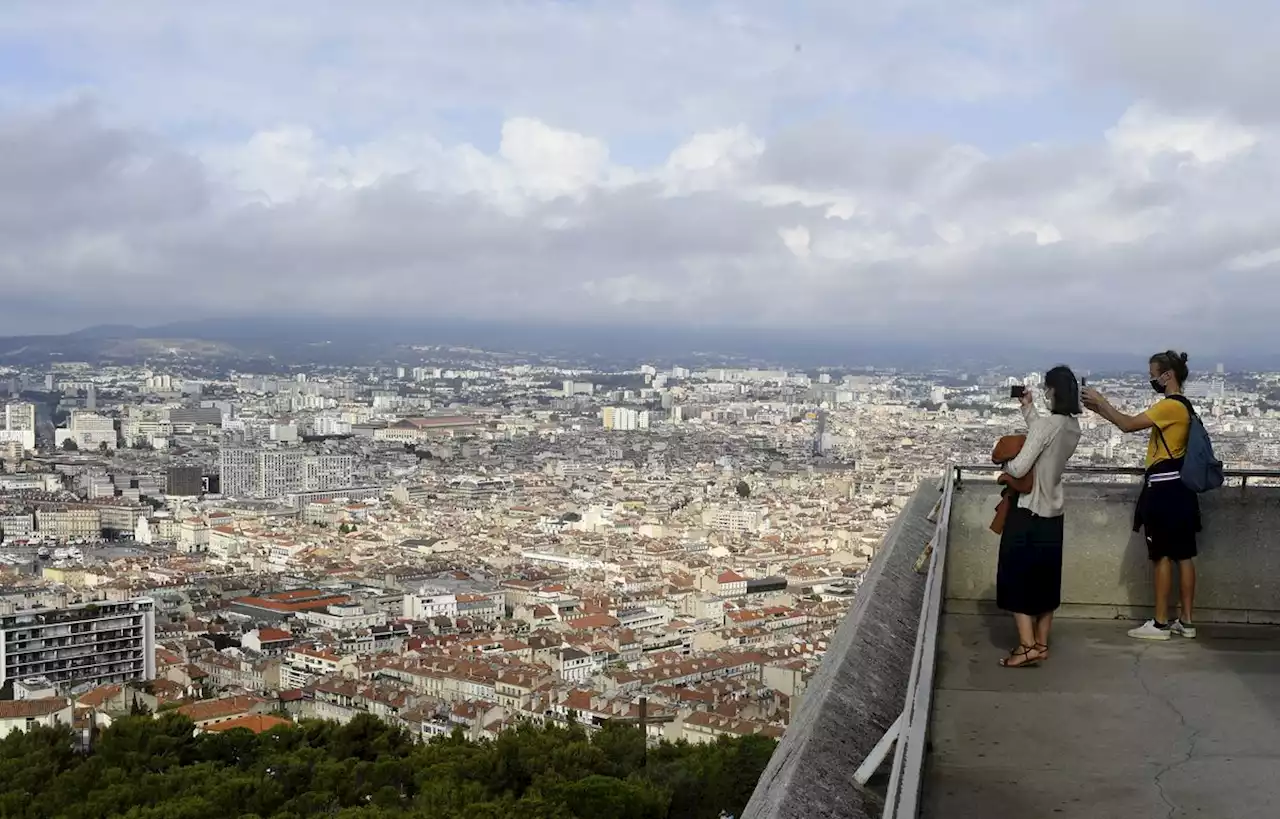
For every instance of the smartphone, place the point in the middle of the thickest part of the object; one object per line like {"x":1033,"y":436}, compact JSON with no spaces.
{"x":1017,"y":391}
{"x":1084,"y":382}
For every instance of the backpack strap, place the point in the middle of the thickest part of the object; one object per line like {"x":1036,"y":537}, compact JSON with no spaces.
{"x":1184,"y":401}
{"x":1191,"y":413}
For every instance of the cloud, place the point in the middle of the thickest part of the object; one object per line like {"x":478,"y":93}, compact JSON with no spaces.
{"x":1192,"y":55}
{"x":648,"y":164}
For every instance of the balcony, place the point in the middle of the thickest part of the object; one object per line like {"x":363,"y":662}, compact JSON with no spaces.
{"x":910,"y":715}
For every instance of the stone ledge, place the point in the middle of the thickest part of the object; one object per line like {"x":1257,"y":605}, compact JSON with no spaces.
{"x":859,"y":689}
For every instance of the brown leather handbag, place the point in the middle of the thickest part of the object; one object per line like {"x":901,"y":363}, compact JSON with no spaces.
{"x":1006,"y":449}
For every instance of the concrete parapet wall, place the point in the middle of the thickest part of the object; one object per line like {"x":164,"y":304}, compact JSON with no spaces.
{"x":1106,"y":573}
{"x":858,"y":691}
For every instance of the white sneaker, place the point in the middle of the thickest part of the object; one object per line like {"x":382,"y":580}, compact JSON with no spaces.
{"x":1183,"y":629}
{"x":1150,"y":631}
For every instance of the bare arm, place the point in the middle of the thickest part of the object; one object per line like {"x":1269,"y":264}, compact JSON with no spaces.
{"x":1123,"y":422}
{"x":1097,"y":402}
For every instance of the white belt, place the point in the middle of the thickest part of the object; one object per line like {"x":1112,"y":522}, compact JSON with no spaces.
{"x":1162,"y":477}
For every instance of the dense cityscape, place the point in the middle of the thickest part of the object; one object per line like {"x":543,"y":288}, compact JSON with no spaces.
{"x":590,"y":410}
{"x":450,"y":545}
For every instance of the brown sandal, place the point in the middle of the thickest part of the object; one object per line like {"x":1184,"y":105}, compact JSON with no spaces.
{"x":1043,"y":650}
{"x":1023,"y":652}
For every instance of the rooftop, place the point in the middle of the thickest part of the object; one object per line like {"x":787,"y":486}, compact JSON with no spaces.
{"x":1108,"y":726}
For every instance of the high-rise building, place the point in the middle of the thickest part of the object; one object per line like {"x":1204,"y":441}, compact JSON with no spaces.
{"x":279,"y":471}
{"x":624,"y":418}
{"x":87,"y":644}
{"x":20,"y":416}
{"x":326,"y":471}
{"x":820,"y":437}
{"x":255,"y":472}
{"x":20,"y":424}
{"x":91,"y":397}
{"x":238,"y":470}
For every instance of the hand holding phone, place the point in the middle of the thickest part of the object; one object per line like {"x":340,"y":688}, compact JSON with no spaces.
{"x":1017,"y":391}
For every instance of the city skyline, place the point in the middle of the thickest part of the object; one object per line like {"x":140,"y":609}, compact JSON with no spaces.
{"x":894,"y":172}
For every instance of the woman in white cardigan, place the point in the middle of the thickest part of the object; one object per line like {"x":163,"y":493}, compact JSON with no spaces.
{"x":1029,"y":576}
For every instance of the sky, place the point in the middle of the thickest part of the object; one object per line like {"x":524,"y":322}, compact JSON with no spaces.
{"x":1099,"y":175}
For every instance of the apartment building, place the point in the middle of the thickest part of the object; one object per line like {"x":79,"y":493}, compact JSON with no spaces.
{"x":738,"y":520}
{"x":254,"y":472}
{"x":20,"y":424}
{"x":88,"y":430}
{"x":304,"y":665}
{"x":321,"y":472}
{"x":16,"y":526}
{"x":66,"y":521}
{"x":430,"y":602}
{"x":344,"y":617}
{"x":91,"y":643}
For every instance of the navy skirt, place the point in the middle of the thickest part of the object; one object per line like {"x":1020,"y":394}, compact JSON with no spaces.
{"x":1029,"y":575}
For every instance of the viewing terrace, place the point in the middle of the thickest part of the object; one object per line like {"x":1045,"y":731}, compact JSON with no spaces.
{"x":911,"y":716}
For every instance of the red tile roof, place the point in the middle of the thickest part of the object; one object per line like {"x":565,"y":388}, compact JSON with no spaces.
{"x":257,"y":723}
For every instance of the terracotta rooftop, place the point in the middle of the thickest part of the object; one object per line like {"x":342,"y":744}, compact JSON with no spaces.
{"x":257,"y":723}
{"x":22,"y":709}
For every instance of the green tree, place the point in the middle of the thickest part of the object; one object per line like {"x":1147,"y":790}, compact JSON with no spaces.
{"x":69,"y":445}
{"x":159,"y":768}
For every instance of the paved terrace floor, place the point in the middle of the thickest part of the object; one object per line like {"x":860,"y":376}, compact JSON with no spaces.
{"x":1107,"y":727}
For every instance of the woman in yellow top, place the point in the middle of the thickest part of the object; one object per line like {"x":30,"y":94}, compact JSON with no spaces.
{"x":1168,"y":512}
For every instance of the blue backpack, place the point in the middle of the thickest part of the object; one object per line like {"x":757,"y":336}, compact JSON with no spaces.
{"x":1201,"y":469}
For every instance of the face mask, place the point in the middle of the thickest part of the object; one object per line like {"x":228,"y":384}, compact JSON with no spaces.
{"x":1157,"y":386}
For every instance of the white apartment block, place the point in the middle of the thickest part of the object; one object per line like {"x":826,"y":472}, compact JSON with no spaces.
{"x":238,"y":467}
{"x":430,"y":602}
{"x":320,"y":472}
{"x":87,"y":644}
{"x":16,"y":526}
{"x":302,"y":665}
{"x":624,"y":418}
{"x":738,"y":520}
{"x":143,"y":425}
{"x":20,"y":425}
{"x":88,"y":430}
{"x":344,"y":618}
{"x":572,"y":665}
{"x":271,"y":473}
{"x":20,"y":416}
{"x":23,"y":439}
{"x":278,"y":472}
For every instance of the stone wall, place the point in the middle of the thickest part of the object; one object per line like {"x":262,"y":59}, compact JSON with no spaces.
{"x":1106,"y":573}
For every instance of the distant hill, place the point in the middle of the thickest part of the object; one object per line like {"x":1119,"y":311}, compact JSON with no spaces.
{"x":365,"y":341}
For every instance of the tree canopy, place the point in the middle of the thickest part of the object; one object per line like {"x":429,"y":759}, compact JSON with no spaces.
{"x":157,"y":768}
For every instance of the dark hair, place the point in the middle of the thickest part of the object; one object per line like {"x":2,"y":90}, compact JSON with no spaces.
{"x":1066,"y":390}
{"x":1172,"y":361}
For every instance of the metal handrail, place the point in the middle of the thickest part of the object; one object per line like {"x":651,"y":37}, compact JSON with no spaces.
{"x":902,"y":800}
{"x":1136,"y":471}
